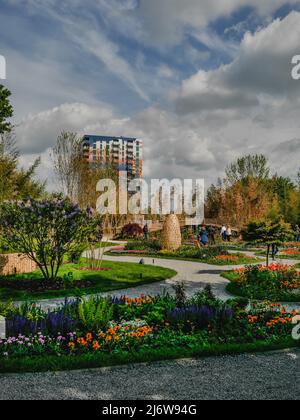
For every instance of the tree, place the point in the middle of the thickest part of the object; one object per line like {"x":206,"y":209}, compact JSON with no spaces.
{"x":6,"y":110}
{"x":45,"y":230}
{"x":68,"y":163}
{"x":245,"y":193}
{"x":267,"y":232}
{"x":15,"y":183}
{"x":251,"y":166}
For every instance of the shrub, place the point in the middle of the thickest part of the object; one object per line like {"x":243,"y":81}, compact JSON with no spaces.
{"x":150,"y":246}
{"x":276,"y":281}
{"x":132,"y":230}
{"x":44,"y":230}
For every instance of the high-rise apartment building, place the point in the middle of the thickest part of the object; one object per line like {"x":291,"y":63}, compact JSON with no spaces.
{"x":125,"y":154}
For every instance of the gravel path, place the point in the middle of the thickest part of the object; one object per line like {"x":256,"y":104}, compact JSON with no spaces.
{"x":269,"y":376}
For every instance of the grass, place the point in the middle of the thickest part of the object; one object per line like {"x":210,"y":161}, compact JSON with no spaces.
{"x":90,"y":361}
{"x":234,"y":289}
{"x":119,"y":276}
{"x":210,"y":261}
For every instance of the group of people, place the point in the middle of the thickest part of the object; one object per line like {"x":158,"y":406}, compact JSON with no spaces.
{"x":226,"y":233}
{"x":208,"y":236}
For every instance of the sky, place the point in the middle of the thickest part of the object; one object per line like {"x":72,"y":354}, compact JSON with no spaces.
{"x":200,"y":82}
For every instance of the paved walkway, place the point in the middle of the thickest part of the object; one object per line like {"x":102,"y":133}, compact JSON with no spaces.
{"x":268,"y":376}
{"x":195,"y":275}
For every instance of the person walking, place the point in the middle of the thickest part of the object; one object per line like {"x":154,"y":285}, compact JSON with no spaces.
{"x":223,"y":233}
{"x":203,"y":239}
{"x":275,"y":251}
{"x":228,"y":234}
{"x":146,"y":232}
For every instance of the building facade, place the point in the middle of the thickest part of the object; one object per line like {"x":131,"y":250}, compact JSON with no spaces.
{"x":125,"y":154}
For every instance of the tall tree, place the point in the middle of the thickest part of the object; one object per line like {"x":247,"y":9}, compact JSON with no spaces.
{"x":6,"y":110}
{"x":68,"y":163}
{"x":243,"y":195}
{"x":251,"y":166}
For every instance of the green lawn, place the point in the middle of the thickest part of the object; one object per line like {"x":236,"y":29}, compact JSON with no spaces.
{"x":119,"y":276}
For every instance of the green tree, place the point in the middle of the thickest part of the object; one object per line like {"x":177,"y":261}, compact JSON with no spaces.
{"x":15,"y":183}
{"x":267,"y":232}
{"x":251,"y":166}
{"x":6,"y":110}
{"x":45,"y":230}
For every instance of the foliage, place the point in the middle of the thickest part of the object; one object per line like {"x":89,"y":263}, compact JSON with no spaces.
{"x":249,"y":192}
{"x":277,"y":282}
{"x":202,"y":323}
{"x":95,"y":313}
{"x":6,"y":110}
{"x":150,"y":246}
{"x":180,"y":294}
{"x":44,"y":230}
{"x":268,"y":232}
{"x":16,"y":183}
{"x":132,"y":230}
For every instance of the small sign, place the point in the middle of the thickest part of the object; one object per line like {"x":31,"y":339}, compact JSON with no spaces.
{"x":2,"y":327}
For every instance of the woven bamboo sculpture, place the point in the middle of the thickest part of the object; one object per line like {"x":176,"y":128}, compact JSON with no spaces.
{"x":171,"y":234}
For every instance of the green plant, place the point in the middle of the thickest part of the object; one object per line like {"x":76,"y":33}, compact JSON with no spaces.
{"x":180,"y":294}
{"x":68,"y":280}
{"x":95,"y":313}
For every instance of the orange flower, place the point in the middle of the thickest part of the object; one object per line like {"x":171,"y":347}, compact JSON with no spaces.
{"x":96,"y":345}
{"x":89,"y":337}
{"x":82,"y":341}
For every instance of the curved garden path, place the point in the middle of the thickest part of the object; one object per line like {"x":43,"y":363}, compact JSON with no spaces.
{"x":195,"y":275}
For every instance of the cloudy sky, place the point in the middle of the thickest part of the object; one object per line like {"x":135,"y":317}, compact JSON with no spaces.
{"x":200,"y":81}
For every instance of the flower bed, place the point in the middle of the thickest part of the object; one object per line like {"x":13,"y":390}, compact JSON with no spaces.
{"x":215,"y":255}
{"x":146,"y":325}
{"x":278,"y":282}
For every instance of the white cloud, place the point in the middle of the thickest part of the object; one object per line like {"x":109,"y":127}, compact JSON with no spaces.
{"x":165,"y":21}
{"x":38,"y":132}
{"x":260,"y":74}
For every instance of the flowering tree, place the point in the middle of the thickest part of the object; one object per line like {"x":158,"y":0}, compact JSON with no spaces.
{"x":45,"y":230}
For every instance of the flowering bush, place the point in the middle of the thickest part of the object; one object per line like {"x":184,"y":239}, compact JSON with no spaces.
{"x":277,"y":282}
{"x":44,"y":230}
